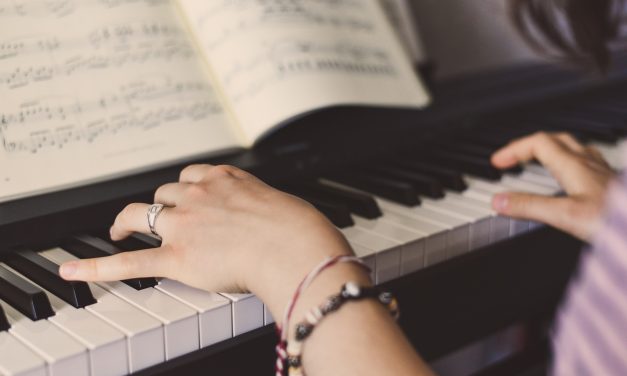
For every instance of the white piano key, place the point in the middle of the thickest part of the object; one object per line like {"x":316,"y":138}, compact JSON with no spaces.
{"x":435,"y":239}
{"x":480,"y":221}
{"x":611,"y":153}
{"x":547,"y":181}
{"x":527,"y":186}
{"x":145,"y":335}
{"x":247,"y":312}
{"x":367,"y":255}
{"x":180,"y":322}
{"x":214,"y":310}
{"x":106,"y":345}
{"x":16,"y":359}
{"x":63,"y":354}
{"x":267,"y":316}
{"x":379,"y":244}
{"x":458,"y":230}
{"x":538,"y":170}
{"x":501,"y":225}
{"x":389,"y":262}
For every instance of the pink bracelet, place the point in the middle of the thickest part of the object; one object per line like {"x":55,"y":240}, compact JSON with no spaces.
{"x":281,"y":348}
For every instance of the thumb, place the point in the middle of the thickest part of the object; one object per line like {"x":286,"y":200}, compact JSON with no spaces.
{"x":545,"y":209}
{"x":125,"y":265}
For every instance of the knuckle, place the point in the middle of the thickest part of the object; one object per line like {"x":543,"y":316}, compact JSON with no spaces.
{"x":222,"y":171}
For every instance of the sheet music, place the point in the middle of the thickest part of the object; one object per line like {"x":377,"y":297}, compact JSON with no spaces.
{"x":278,"y":59}
{"x":95,"y":88}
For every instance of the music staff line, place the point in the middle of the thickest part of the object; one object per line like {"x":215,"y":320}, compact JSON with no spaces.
{"x":38,"y":125}
{"x":213,"y":21}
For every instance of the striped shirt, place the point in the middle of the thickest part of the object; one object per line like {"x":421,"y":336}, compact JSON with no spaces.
{"x":591,"y":332}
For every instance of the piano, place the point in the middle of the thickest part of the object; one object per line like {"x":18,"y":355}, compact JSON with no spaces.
{"x":410,"y":191}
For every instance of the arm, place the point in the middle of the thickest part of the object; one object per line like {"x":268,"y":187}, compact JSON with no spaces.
{"x":225,"y":230}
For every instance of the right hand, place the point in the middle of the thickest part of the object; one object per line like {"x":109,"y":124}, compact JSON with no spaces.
{"x":223,"y":230}
{"x":580,"y":170}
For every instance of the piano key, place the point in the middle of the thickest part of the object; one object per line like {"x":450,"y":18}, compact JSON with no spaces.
{"x":457,"y":237}
{"x":4,"y":322}
{"x":214,"y":310}
{"x":144,"y":334}
{"x":16,"y":359}
{"x":63,"y":354}
{"x":434,"y":243}
{"x":611,"y":154}
{"x":466,"y":163}
{"x":45,"y":273}
{"x":547,"y":181}
{"x":449,"y":178}
{"x":179,"y":320}
{"x":367,"y":255}
{"x":374,"y":242}
{"x":389,"y":261}
{"x":106,"y":345}
{"x":479,"y":221}
{"x":501,"y":227}
{"x":391,"y":189}
{"x":424,"y":185}
{"x":335,"y":212}
{"x":267,"y":316}
{"x":358,"y":203}
{"x":247,"y":312}
{"x":85,"y":246}
{"x":24,"y":296}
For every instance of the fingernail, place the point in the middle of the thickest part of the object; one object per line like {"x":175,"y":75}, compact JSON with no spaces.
{"x":68,"y":269}
{"x":500,"y":202}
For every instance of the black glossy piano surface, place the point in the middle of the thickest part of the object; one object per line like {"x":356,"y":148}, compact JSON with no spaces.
{"x":445,"y":306}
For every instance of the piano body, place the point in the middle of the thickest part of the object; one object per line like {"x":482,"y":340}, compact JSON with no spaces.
{"x":413,"y":200}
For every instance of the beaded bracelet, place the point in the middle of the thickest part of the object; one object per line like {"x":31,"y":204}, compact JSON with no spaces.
{"x":350,"y":292}
{"x":281,"y":347}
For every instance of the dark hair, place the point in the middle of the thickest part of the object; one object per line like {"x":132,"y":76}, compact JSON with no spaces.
{"x":579,"y":30}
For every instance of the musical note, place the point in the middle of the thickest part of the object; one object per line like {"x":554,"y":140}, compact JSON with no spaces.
{"x":53,"y":123}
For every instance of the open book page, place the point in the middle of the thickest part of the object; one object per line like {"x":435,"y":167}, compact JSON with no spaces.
{"x":401,"y":17}
{"x":274,"y":60}
{"x":96,"y":88}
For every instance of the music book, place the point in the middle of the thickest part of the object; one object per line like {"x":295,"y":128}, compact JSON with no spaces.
{"x":94,"y":89}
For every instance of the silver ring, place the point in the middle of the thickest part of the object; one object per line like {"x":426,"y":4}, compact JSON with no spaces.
{"x":153,"y":213}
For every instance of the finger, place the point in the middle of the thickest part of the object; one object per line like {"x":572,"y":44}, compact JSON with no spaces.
{"x":596,"y":154}
{"x":156,"y":262}
{"x":170,"y":194}
{"x":134,"y":218}
{"x":570,"y":142}
{"x":541,"y":146}
{"x":545,"y":209}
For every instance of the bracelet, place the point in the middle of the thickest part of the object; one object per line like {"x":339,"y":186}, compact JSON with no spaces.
{"x":281,"y":347}
{"x":350,"y":292}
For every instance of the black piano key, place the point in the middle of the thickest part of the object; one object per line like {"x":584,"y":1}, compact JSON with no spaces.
{"x":589,"y":130}
{"x":46,"y":274}
{"x":358,"y":203}
{"x":335,"y":211}
{"x":449,"y":178}
{"x":468,"y":164}
{"x":4,"y":322}
{"x":391,"y":189}
{"x":24,"y":296}
{"x":424,"y":185}
{"x":84,"y":246}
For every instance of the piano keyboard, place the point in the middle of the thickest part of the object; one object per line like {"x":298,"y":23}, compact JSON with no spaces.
{"x":400,"y":214}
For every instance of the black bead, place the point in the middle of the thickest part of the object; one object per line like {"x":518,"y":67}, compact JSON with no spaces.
{"x":294,"y":361}
{"x":303,"y":331}
{"x":332,"y":304}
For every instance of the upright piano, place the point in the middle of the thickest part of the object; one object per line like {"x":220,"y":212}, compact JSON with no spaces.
{"x":411,"y":192}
